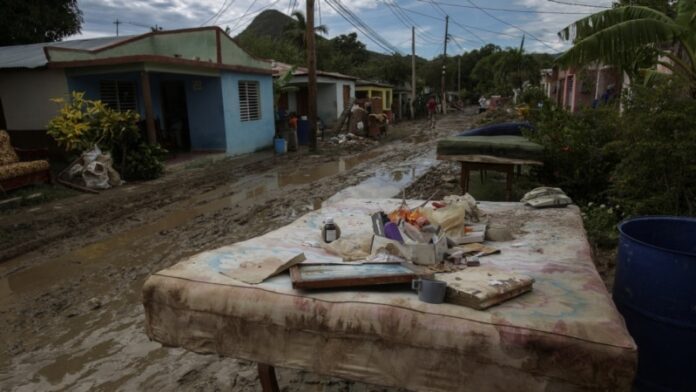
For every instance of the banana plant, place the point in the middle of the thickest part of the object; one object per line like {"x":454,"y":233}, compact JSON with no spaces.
{"x":631,"y":37}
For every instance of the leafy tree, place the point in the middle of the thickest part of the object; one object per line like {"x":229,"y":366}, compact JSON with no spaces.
{"x":633,"y":35}
{"x":269,"y":48}
{"x":34,"y":21}
{"x":296,"y":30}
{"x":502,"y":71}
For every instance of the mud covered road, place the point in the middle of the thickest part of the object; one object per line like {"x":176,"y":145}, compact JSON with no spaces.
{"x":70,"y":306}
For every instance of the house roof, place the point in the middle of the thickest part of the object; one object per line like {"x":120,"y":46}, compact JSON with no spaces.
{"x":207,"y":47}
{"x":279,"y":68}
{"x":34,"y":56}
{"x":372,"y":83}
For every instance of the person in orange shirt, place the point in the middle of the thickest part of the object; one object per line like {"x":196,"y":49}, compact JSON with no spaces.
{"x":292,"y":137}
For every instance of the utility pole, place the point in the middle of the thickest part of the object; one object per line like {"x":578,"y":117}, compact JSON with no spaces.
{"x":444,"y":68}
{"x":311,"y":77}
{"x":413,"y":71}
{"x":117,"y":22}
{"x":459,"y":74}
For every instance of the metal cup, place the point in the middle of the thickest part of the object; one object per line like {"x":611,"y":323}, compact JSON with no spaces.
{"x":430,"y":290}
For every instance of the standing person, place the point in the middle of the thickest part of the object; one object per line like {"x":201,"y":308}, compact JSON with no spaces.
{"x":292,"y":137}
{"x":431,"y":105}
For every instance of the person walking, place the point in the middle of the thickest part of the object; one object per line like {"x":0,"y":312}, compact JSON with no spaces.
{"x":431,"y":105}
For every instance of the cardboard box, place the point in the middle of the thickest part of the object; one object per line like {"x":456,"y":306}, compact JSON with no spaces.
{"x":422,"y":254}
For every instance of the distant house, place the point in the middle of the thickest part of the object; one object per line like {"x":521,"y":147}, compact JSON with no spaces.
{"x":365,"y":89}
{"x":334,"y":91}
{"x":195,"y":89}
{"x":574,"y":88}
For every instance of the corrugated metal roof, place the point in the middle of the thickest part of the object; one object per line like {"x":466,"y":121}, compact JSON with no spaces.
{"x":279,"y":68}
{"x":33,"y":56}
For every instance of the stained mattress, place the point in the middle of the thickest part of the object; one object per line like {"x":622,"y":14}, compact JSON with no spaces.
{"x":564,"y":335}
{"x":506,"y":146}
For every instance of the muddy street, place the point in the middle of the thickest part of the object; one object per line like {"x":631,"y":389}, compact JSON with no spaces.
{"x":73,"y":269}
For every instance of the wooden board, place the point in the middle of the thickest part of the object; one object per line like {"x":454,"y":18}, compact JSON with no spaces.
{"x":316,"y":276}
{"x":483,"y":287}
{"x":488,"y":159}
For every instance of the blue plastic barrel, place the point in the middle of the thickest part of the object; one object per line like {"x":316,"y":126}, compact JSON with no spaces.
{"x":303,"y":132}
{"x":280,"y":145}
{"x":655,"y":291}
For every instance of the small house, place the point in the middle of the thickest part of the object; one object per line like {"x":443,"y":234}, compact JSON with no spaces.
{"x":334,"y":92}
{"x":195,"y":89}
{"x":370,"y":90}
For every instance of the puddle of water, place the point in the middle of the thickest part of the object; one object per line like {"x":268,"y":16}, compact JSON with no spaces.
{"x":134,"y":246}
{"x":388,"y":181}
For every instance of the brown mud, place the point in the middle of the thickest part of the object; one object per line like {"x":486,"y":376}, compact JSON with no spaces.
{"x":70,"y":284}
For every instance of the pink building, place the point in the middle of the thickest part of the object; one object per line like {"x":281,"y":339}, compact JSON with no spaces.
{"x":575,"y":88}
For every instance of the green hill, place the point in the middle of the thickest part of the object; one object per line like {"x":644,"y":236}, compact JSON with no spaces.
{"x":269,"y":23}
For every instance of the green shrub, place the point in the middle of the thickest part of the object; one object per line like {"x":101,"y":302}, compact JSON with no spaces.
{"x":144,"y":162}
{"x":533,"y":96}
{"x":600,"y":222}
{"x":577,"y":153}
{"x":657,"y":145}
{"x":82,"y":124}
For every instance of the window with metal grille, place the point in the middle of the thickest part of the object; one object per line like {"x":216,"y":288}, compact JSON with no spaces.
{"x":118,"y":94}
{"x":249,"y":108}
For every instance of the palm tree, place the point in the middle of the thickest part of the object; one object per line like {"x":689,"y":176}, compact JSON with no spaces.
{"x":297,"y":29}
{"x":627,"y":36}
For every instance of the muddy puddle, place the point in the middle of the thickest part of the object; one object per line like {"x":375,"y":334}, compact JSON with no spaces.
{"x":136,"y":245}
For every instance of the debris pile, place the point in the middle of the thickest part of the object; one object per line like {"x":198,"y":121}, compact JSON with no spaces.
{"x":93,"y":170}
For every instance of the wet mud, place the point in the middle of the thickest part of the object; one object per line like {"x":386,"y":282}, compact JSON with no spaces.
{"x":71,"y":314}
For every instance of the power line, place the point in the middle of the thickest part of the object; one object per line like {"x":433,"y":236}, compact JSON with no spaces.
{"x":217,"y":13}
{"x":339,"y":11}
{"x":359,"y":24}
{"x":243,"y":15}
{"x":319,"y":10}
{"x":506,"y":9}
{"x":422,"y":32}
{"x":406,"y":21}
{"x":253,"y":14}
{"x":578,"y":4}
{"x":466,"y":28}
{"x":511,"y":25}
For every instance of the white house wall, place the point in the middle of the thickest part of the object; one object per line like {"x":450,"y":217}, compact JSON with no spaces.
{"x":26,"y":97}
{"x":326,"y":103}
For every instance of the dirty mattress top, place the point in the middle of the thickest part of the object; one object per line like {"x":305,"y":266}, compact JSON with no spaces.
{"x":566,"y":333}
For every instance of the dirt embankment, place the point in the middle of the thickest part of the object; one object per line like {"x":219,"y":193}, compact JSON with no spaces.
{"x":70,"y":313}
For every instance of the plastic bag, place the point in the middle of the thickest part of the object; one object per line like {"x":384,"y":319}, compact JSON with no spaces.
{"x":453,"y":217}
{"x":96,"y":176}
{"x":351,"y":247}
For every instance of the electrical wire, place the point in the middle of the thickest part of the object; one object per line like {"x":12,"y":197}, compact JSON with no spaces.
{"x":243,"y":15}
{"x":410,"y":23}
{"x":506,"y":9}
{"x":578,"y":4}
{"x":224,"y":3}
{"x":361,"y":26}
{"x":319,"y":10}
{"x":253,"y":14}
{"x":511,"y":25}
{"x":423,"y":33}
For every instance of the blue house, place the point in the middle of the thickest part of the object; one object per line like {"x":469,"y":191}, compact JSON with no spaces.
{"x":195,"y":89}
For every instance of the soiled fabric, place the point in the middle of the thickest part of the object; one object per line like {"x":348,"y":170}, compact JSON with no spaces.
{"x":13,"y":170}
{"x":565,"y":334}
{"x":516,"y":147}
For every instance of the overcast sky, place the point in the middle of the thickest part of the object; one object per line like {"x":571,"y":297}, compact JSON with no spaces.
{"x":469,"y":26}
